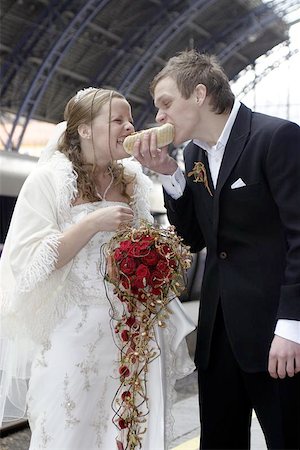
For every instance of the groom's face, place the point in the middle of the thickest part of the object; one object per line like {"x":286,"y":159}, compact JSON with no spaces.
{"x":175,"y":109}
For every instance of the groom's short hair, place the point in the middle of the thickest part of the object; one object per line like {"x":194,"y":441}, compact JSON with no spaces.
{"x":189,"y":68}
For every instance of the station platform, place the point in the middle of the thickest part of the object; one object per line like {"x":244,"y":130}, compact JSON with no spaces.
{"x":186,"y":416}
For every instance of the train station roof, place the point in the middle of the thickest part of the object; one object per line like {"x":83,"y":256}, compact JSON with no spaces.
{"x":52,"y":48}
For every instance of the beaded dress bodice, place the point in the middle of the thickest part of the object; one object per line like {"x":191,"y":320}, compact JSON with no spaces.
{"x":88,"y":266}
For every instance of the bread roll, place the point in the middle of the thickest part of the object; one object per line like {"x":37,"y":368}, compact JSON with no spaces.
{"x":165,"y":135}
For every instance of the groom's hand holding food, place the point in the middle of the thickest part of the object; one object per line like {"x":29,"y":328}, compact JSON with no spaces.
{"x":150,"y":148}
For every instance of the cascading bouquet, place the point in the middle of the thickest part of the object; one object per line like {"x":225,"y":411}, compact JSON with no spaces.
{"x":147,"y":268}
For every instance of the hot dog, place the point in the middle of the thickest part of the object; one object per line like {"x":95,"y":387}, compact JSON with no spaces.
{"x":165,"y":135}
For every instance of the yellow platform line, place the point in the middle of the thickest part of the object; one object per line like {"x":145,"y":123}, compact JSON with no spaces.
{"x":192,"y":444}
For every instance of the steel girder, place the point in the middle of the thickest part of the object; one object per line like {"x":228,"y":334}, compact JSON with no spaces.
{"x":235,"y":27}
{"x":64,"y":42}
{"x":250,"y":25}
{"x":139,"y":69}
{"x":24,"y":47}
{"x":240,"y":38}
{"x":131,"y":40}
{"x":49,"y":65}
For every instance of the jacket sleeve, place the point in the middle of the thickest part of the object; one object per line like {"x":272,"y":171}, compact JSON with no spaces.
{"x":283,"y":173}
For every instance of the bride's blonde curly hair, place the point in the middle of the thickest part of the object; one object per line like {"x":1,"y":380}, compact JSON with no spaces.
{"x":82,"y":109}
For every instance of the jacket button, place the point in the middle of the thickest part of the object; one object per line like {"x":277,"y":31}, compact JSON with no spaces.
{"x":223,"y":255}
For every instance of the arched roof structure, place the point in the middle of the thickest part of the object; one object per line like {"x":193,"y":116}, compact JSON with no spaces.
{"x":52,"y":48}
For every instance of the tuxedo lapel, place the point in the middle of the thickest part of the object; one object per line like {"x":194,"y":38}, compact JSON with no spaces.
{"x":234,"y":147}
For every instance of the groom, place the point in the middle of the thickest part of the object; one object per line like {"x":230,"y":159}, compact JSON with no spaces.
{"x":239,"y":198}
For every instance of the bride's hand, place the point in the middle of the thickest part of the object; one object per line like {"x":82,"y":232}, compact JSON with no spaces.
{"x":145,"y":150}
{"x":111,"y":217}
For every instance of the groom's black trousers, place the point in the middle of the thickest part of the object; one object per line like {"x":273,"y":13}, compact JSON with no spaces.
{"x":228,"y":394}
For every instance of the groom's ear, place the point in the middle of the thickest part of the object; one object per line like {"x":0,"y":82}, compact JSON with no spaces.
{"x":84,"y":131}
{"x":200,"y":93}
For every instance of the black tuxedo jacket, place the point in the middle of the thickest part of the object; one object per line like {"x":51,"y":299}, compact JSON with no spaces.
{"x":252,"y":235}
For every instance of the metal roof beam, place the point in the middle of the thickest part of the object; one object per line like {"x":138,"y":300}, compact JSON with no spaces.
{"x":49,"y":65}
{"x":199,"y":30}
{"x":38,"y":61}
{"x":206,"y":34}
{"x":141,"y":66}
{"x":133,"y":40}
{"x":30,"y":38}
{"x":253,"y":29}
{"x":235,"y":26}
{"x":99,"y":29}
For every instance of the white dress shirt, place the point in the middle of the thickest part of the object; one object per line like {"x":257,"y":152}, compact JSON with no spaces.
{"x":174,"y":185}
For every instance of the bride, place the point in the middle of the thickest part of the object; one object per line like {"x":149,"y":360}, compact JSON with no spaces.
{"x":58,"y":357}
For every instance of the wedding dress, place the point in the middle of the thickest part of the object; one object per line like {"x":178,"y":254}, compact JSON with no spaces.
{"x":56,"y":324}
{"x":74,"y":375}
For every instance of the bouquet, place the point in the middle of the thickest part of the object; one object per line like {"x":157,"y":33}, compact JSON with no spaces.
{"x":147,"y":269}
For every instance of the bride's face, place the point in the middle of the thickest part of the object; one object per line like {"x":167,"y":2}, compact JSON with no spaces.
{"x":110,"y":130}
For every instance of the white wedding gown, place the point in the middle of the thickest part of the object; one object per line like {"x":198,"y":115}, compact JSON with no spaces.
{"x":75,"y":375}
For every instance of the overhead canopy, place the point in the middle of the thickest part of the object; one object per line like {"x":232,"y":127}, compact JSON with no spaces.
{"x":52,"y":48}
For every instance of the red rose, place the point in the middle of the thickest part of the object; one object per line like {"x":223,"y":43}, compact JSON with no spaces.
{"x":156,"y":291}
{"x":142,"y":277}
{"x":135,"y":287}
{"x":127,"y":266}
{"x":135,"y":250}
{"x":146,"y":242}
{"x":152,"y":258}
{"x":125,"y":245}
{"x":124,"y":371}
{"x":138,"y":289}
{"x":165,"y":249}
{"x":173,"y":263}
{"x":163,"y":267}
{"x":125,"y":335}
{"x":130,"y":321}
{"x":138,"y":283}
{"x":122,"y":423}
{"x":126,"y":395}
{"x":142,"y":272}
{"x":156,"y":279}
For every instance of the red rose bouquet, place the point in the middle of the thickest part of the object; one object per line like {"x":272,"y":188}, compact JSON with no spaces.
{"x":147,"y":268}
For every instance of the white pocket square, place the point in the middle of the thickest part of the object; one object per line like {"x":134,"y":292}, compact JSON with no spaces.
{"x":238,"y":183}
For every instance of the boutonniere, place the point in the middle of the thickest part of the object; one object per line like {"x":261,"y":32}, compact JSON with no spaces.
{"x":199,"y":173}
